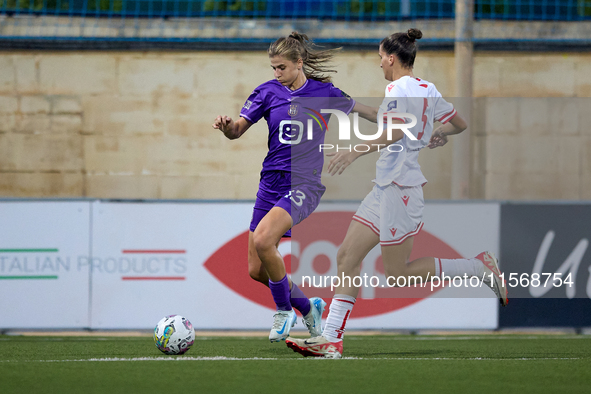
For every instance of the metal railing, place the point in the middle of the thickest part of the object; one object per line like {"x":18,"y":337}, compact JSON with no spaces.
{"x":263,"y":20}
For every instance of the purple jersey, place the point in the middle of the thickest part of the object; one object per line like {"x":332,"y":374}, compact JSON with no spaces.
{"x":296,"y":125}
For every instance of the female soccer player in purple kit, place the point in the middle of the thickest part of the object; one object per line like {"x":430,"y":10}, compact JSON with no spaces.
{"x":289,"y":191}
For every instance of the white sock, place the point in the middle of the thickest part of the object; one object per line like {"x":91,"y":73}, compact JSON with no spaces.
{"x":458,"y":267}
{"x":339,"y":311}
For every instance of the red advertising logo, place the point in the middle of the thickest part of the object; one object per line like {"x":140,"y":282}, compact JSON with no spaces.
{"x":312,"y":252}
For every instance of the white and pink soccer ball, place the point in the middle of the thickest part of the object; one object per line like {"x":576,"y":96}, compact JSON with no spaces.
{"x":174,"y":334}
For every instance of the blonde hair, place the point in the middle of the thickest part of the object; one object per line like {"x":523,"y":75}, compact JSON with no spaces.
{"x":299,"y":46}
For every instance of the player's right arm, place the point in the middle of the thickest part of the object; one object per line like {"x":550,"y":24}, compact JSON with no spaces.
{"x":231,"y":129}
{"x":253,"y":110}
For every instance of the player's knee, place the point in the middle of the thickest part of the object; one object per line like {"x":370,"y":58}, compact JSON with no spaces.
{"x":255,"y":274}
{"x":262,"y":242}
{"x":346,"y":262}
{"x":343,"y":255}
{"x":341,"y":261}
{"x":395,"y":272}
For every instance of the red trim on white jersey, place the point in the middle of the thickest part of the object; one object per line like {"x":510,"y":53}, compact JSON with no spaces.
{"x":385,"y":118}
{"x":448,"y":116}
{"x":451,"y":117}
{"x":367,"y":223}
{"x":398,"y":184}
{"x":404,"y":237}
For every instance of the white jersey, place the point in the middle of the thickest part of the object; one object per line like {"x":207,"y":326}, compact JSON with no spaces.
{"x":420,"y":98}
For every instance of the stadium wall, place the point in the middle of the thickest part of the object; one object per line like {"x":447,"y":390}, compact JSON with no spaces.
{"x":138,"y":124}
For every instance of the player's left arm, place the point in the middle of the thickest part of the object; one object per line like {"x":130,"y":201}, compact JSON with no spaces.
{"x":366,"y":112}
{"x":455,"y":126}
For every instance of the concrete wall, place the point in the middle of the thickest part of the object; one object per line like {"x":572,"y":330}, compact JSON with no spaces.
{"x":138,"y":125}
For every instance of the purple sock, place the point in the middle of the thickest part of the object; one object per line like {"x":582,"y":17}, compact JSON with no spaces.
{"x":299,"y":300}
{"x":280,"y":291}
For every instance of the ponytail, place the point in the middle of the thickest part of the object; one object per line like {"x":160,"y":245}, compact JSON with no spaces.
{"x":298,"y":46}
{"x":403,"y":46}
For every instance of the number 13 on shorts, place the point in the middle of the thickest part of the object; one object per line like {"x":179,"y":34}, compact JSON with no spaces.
{"x":296,"y":196}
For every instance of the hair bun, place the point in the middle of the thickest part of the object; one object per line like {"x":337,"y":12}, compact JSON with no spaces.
{"x":414,"y":34}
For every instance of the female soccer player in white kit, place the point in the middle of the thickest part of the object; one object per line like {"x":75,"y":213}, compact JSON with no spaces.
{"x":392,"y":212}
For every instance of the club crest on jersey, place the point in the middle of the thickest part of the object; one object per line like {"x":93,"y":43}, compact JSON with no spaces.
{"x":392,"y":105}
{"x":293,"y":110}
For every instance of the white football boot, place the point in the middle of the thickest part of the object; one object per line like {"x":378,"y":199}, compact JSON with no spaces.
{"x":316,"y":347}
{"x":313,"y":320}
{"x":282,"y":324}
{"x":497,"y":285}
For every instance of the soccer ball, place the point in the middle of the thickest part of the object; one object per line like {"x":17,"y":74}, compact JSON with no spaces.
{"x":174,"y":334}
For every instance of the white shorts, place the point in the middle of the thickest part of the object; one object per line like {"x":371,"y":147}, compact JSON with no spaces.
{"x":393,"y":212}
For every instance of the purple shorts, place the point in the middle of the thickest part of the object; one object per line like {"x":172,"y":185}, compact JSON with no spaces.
{"x":299,"y":199}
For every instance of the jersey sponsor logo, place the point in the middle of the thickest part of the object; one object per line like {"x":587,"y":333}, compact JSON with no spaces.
{"x":393,"y":231}
{"x":390,"y":87}
{"x":405,"y":200}
{"x":312,"y":251}
{"x":392,"y":105}
{"x":247,"y":104}
{"x":291,"y":132}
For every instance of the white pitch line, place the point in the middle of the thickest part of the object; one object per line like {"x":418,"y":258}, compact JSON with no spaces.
{"x":222,"y":358}
{"x":466,"y":338}
{"x":351,"y":338}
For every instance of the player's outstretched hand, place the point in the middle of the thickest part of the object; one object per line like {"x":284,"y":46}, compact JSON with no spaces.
{"x":438,"y":138}
{"x":340,"y":161}
{"x":223,"y":123}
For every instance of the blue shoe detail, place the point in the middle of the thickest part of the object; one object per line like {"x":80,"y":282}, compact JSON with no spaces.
{"x":283,"y":328}
{"x":282,"y":324}
{"x":313,"y":320}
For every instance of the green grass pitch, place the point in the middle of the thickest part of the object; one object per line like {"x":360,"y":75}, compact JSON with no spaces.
{"x":497,"y":363}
